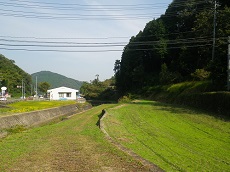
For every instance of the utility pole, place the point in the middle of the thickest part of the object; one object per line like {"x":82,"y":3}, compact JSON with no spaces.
{"x":31,"y":89}
{"x":36,"y":87}
{"x":22,"y":90}
{"x":228,"y":64}
{"x":214,"y":32}
{"x":0,"y":79}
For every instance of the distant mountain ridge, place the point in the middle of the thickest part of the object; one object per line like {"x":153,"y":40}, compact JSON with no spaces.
{"x":56,"y":80}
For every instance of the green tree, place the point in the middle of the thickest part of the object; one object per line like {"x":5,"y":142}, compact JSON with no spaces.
{"x":43,"y":87}
{"x":204,"y":27}
{"x":181,"y":41}
{"x":12,"y":76}
{"x":99,"y":90}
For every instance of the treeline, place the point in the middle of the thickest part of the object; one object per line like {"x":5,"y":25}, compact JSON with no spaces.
{"x":12,"y":77}
{"x":99,"y":90}
{"x":178,"y":47}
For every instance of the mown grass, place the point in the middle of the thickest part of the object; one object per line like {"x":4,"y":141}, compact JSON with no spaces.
{"x":174,"y":138}
{"x":27,"y":106}
{"x":76,"y":144}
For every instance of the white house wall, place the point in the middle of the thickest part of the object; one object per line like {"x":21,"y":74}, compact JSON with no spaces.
{"x":54,"y":93}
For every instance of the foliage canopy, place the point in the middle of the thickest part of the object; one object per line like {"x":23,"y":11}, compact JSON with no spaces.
{"x":11,"y":76}
{"x":178,"y":44}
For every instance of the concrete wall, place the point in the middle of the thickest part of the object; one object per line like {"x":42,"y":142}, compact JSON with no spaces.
{"x":38,"y":117}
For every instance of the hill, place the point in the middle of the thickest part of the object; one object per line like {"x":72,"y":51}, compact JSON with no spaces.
{"x":177,"y":47}
{"x":56,"y":80}
{"x":11,"y":76}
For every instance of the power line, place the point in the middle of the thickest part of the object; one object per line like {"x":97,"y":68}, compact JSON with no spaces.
{"x":63,"y":38}
{"x":65,"y":51}
{"x":92,"y":38}
{"x":81,"y":15}
{"x":64,"y":46}
{"x":51,"y":16}
{"x":70,"y":16}
{"x":89,"y":5}
{"x":133,"y":7}
{"x":185,"y":40}
{"x":81,"y":7}
{"x":94,"y":51}
{"x":101,"y":17}
{"x":149,"y":5}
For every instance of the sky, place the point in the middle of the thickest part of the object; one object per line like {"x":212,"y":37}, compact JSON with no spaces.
{"x":75,"y":38}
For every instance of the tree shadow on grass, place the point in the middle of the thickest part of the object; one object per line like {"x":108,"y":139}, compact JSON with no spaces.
{"x":181,"y":109}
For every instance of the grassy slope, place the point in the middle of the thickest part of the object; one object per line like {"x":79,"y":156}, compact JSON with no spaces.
{"x":76,"y":144}
{"x":26,"y":106}
{"x":173,"y":138}
{"x":198,"y":94}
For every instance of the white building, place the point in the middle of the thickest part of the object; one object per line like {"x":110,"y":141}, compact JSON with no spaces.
{"x":62,"y":93}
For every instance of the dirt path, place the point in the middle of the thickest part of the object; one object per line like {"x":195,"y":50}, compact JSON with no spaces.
{"x":76,"y":144}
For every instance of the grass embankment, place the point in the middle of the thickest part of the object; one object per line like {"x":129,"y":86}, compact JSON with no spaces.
{"x":198,"y":94}
{"x":174,"y":138}
{"x":76,"y":144}
{"x":27,"y":106}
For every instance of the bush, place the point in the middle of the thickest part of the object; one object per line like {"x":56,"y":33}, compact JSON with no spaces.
{"x":200,"y":74}
{"x":167,"y":77}
{"x":125,"y":99}
{"x":16,"y":129}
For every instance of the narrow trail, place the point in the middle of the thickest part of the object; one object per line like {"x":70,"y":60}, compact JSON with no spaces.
{"x":76,"y":144}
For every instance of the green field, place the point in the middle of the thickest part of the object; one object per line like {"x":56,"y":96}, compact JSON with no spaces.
{"x":27,"y":106}
{"x":174,"y":138}
{"x":76,"y":144}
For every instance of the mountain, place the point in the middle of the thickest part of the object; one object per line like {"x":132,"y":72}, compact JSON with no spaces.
{"x":55,"y":80}
{"x":12,"y":76}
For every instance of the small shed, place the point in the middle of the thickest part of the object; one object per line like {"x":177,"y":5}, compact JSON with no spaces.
{"x":62,"y":93}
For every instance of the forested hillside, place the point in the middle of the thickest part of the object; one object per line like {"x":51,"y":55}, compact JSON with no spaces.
{"x":178,"y":47}
{"x":56,"y":80}
{"x":11,"y":76}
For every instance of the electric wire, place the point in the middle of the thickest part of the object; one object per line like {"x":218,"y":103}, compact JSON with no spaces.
{"x":94,"y":38}
{"x":174,"y":45}
{"x":93,"y":51}
{"x":184,"y":40}
{"x":68,"y":16}
{"x":200,"y":42}
{"x":55,"y":5}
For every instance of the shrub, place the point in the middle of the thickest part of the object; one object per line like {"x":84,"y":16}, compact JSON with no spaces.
{"x":16,"y":129}
{"x":200,"y":74}
{"x":167,"y":77}
{"x":125,"y":99}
